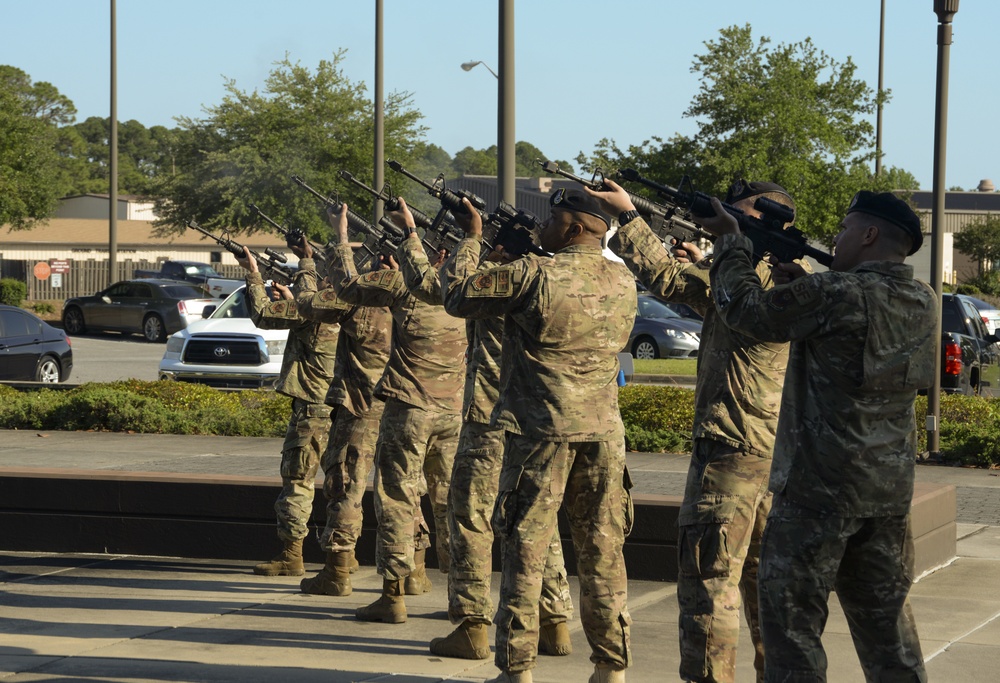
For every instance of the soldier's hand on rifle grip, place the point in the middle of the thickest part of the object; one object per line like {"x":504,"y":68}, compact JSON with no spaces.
{"x":685,"y":252}
{"x":783,"y":273}
{"x":403,"y":217}
{"x":285,"y":292}
{"x":248,"y":262}
{"x":722,"y":223}
{"x":469,"y":220}
{"x":302,"y":249}
{"x":338,"y":221}
{"x":387,"y":262}
{"x":614,"y":199}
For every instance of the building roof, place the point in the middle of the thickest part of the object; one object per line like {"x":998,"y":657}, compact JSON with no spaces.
{"x":985,"y":202}
{"x":75,"y":232}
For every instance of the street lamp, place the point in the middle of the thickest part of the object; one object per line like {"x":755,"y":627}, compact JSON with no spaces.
{"x":469,"y":66}
{"x":945,"y":10}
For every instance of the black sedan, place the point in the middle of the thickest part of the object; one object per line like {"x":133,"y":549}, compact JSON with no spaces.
{"x":31,"y":350}
{"x":153,"y":308}
{"x":660,"y":332}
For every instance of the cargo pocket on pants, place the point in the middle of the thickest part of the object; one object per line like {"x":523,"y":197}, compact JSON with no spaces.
{"x":627,"y":504}
{"x":505,"y":510}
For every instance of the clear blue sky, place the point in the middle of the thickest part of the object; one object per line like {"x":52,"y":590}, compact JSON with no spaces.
{"x":584,"y":69}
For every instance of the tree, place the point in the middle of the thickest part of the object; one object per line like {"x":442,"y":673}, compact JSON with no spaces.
{"x":310,"y":123}
{"x":31,"y":180}
{"x":787,"y":113}
{"x":981,"y":240}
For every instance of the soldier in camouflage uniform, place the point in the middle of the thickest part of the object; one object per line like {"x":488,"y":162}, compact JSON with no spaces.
{"x":566,"y":317}
{"x":362,"y":353}
{"x":418,"y":435}
{"x":726,"y":501}
{"x":862,"y":345}
{"x":306,"y":372}
{"x":474,"y":483}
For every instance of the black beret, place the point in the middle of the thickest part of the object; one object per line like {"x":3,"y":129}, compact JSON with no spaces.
{"x":741,"y":189}
{"x":579,"y":201}
{"x":888,"y":206}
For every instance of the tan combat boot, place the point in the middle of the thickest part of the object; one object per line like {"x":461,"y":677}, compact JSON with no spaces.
{"x":512,"y":677}
{"x":334,"y":578}
{"x":553,"y":639}
{"x":287,"y":563}
{"x":389,"y":609}
{"x":603,"y":673}
{"x":418,"y":583}
{"x":468,"y":641}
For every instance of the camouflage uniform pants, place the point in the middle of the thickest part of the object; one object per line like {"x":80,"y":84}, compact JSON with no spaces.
{"x":414,"y":455}
{"x":869,"y":562}
{"x":305,"y":441}
{"x":346,"y":464}
{"x":474,"y":483}
{"x":585,"y":478}
{"x":721,"y":522}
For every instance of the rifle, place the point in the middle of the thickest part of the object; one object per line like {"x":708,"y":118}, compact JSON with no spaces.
{"x":767,"y":233}
{"x":448,"y":234}
{"x":668,"y":222}
{"x":375,"y":240}
{"x":293,"y":236}
{"x":271,"y":265}
{"x":513,"y":230}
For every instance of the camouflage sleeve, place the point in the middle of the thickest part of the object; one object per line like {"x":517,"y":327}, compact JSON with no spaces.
{"x":306,"y":278}
{"x":651,"y":264}
{"x":265,"y":313}
{"x":377,"y":288}
{"x":323,"y":306}
{"x":486,"y":293}
{"x":463,"y":262}
{"x":418,"y":274}
{"x":808,"y":306}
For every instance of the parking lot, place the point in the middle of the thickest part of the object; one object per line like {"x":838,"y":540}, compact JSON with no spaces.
{"x":109,"y":357}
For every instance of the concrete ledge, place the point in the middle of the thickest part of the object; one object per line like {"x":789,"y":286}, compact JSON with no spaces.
{"x":231,"y":517}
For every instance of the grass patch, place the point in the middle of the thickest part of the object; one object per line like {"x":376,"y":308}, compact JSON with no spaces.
{"x":666,"y":366}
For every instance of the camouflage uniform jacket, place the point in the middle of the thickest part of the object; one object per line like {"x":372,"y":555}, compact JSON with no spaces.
{"x":362,"y":347}
{"x":307,"y":366}
{"x":566,"y":318}
{"x":738,"y":385}
{"x":425,"y":362}
{"x":862,"y":345}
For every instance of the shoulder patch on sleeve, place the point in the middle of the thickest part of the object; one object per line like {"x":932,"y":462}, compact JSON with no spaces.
{"x":495,"y":282}
{"x":380,"y":278}
{"x":803,"y":292}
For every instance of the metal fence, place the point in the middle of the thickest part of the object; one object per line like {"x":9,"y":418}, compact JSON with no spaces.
{"x":84,"y":277}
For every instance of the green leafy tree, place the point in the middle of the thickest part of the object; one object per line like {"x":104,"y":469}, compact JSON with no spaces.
{"x":31,"y":175}
{"x":305,"y":122}
{"x":786,"y":113}
{"x":470,"y":161}
{"x":981,"y":240}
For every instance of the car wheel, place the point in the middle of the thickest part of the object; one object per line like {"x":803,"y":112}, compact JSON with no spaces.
{"x":73,"y":322}
{"x":48,"y":371}
{"x":645,"y":348}
{"x":152,"y":328}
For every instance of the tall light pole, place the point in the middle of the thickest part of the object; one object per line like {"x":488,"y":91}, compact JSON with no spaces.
{"x":378,"y":175}
{"x":945,"y":10}
{"x":505,"y":104}
{"x":881,"y":89}
{"x":113,"y":158}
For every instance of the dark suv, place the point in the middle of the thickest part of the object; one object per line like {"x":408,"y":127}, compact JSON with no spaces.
{"x":970,"y":362}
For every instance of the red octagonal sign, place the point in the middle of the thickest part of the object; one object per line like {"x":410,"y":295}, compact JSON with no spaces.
{"x":42,"y":270}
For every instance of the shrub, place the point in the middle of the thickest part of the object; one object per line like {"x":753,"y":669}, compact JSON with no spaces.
{"x":657,"y":418}
{"x":42,"y":308}
{"x":12,"y":292}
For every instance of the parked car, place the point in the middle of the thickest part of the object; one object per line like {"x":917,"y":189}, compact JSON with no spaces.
{"x":225,"y":350}
{"x":152,"y":308}
{"x":31,"y":350}
{"x":970,"y":354}
{"x":989,"y":313}
{"x":660,"y":332}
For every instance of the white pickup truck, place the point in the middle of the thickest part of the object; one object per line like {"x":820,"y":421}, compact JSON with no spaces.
{"x":196,"y":273}
{"x":225,"y":350}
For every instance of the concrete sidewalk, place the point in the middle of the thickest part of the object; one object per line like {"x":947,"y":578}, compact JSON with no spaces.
{"x":118,"y":618}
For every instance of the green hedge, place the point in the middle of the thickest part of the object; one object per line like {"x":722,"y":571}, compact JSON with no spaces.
{"x":658,"y":419}
{"x":12,"y":292}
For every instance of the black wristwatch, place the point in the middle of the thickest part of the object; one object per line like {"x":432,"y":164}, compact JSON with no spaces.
{"x":626,"y":217}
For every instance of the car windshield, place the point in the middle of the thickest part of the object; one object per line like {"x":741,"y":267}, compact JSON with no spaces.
{"x":651,"y":308}
{"x":184,"y":292}
{"x":233,"y":307}
{"x":200,"y":269}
